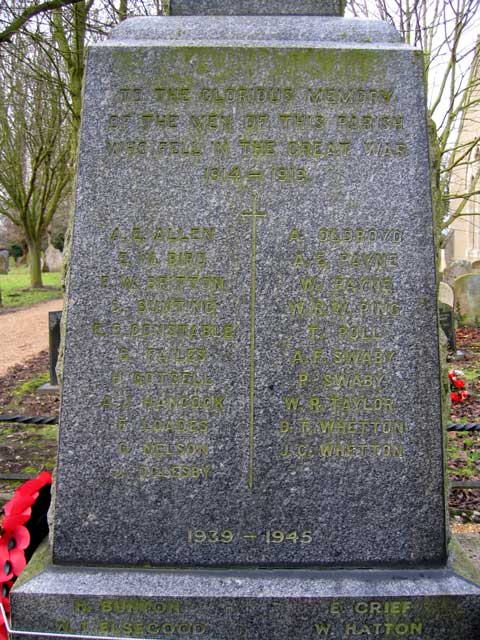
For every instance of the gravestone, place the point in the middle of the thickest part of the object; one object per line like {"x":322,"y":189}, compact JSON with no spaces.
{"x":53,"y":260}
{"x":446,"y":304}
{"x":455,"y":270}
{"x":4,"y":255}
{"x":54,"y":323}
{"x":467,"y":299}
{"x":244,"y":452}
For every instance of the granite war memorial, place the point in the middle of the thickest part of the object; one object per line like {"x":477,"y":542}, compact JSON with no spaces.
{"x":251,"y":312}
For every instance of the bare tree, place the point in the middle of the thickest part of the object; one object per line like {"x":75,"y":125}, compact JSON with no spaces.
{"x":445,"y":30}
{"x":69,"y":33}
{"x":66,"y":27}
{"x":43,"y":58}
{"x":35,"y":151}
{"x":10,"y":234}
{"x":13,"y":20}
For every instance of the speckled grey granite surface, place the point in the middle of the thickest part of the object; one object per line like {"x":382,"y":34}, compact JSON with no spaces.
{"x":248,"y":31}
{"x":256,"y":7}
{"x":222,"y":605}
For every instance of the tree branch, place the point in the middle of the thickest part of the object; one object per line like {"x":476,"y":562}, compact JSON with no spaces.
{"x":18,"y":22}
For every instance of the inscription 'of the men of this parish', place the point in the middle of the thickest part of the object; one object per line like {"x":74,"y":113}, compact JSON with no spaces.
{"x":251,"y":316}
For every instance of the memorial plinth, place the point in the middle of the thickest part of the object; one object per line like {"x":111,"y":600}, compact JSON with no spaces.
{"x":257,"y":7}
{"x":251,"y":313}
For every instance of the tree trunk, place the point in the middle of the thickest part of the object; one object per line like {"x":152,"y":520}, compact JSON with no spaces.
{"x":35,"y":265}
{"x":438,"y":203}
{"x":122,"y":10}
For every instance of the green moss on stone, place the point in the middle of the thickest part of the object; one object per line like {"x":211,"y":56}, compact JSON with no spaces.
{"x":441,"y":607}
{"x":38,"y":562}
{"x":461,"y":563}
{"x":127,"y":60}
{"x":224,"y":65}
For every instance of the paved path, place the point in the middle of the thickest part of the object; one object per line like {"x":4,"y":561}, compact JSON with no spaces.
{"x":24,"y":333}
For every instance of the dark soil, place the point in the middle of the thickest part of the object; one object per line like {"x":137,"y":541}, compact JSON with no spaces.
{"x":31,"y":404}
{"x":468,"y":341}
{"x":464,"y":448}
{"x":26,"y":448}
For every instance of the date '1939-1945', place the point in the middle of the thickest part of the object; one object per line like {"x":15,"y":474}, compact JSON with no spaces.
{"x":227,"y":536}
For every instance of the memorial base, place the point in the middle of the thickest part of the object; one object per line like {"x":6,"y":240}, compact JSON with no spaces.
{"x":48,"y":388}
{"x":432,"y":604}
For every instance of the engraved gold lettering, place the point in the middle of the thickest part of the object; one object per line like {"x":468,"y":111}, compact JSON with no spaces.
{"x":181,"y":330}
{"x":305,"y":451}
{"x":319,"y":148}
{"x":322,"y":628}
{"x":172,"y":94}
{"x":163,"y":120}
{"x":171,"y":378}
{"x":186,"y":258}
{"x":130,"y":94}
{"x":212,"y":122}
{"x":255,"y":121}
{"x":257,"y":148}
{"x":385,"y":149}
{"x":174,"y":472}
{"x":215,"y":404}
{"x":177,"y":425}
{"x":357,"y":96}
{"x":245,"y":95}
{"x":371,"y":284}
{"x":301,"y":121}
{"x":178,"y":148}
{"x":191,"y":282}
{"x":359,"y":235}
{"x":369,"y":122}
{"x":138,"y":605}
{"x":182,"y":449}
{"x":97,"y":329}
{"x":386,"y":629}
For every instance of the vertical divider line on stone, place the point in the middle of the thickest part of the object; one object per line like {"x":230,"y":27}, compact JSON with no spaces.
{"x":254,"y":213}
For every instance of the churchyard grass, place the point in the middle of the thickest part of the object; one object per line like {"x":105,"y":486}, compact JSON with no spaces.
{"x":463,"y":456}
{"x":16,"y":292}
{"x":30,"y":385}
{"x":472,"y":374}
